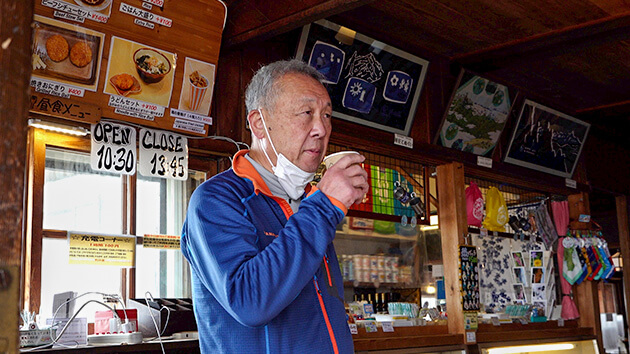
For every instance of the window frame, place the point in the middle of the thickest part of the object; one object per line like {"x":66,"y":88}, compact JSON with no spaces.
{"x":37,"y":143}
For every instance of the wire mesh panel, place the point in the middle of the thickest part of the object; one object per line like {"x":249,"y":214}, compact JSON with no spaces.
{"x":397,"y":186}
{"x":521,"y":203}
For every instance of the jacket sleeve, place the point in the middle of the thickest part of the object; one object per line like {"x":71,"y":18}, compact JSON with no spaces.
{"x":219,"y":240}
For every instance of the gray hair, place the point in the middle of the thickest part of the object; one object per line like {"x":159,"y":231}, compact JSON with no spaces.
{"x":262,"y":91}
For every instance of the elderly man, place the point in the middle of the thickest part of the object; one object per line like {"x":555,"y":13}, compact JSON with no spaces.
{"x":258,"y":237}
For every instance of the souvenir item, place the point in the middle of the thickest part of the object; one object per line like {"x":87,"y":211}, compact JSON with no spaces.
{"x":560,"y":210}
{"x":474,"y":205}
{"x":569,"y":310}
{"x":496,"y":211}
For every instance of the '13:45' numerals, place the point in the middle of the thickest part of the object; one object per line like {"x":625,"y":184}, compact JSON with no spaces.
{"x":161,"y":166}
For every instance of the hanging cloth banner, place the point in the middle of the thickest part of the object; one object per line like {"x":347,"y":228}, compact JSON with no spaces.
{"x":569,"y":310}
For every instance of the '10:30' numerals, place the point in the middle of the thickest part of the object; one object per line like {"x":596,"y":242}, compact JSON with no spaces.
{"x":160,"y":165}
{"x":122,"y":159}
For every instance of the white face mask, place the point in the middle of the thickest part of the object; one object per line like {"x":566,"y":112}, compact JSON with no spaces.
{"x":292,"y":178}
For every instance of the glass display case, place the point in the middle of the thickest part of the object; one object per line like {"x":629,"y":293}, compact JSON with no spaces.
{"x":565,"y":347}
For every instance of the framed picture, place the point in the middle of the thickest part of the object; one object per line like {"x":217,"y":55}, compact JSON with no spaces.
{"x":476,"y":115}
{"x":369,"y":82}
{"x":547,"y":140}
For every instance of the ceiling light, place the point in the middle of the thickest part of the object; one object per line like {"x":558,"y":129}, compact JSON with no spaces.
{"x":56,"y":127}
{"x":531,"y":348}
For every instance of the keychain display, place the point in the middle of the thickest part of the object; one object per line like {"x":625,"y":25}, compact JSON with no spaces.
{"x":469,"y":277}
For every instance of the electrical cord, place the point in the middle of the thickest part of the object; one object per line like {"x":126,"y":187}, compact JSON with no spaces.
{"x":157,"y":330}
{"x":115,"y":296}
{"x":63,"y":330}
{"x":213,"y":137}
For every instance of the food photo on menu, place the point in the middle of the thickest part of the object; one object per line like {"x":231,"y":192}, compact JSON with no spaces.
{"x":140,"y":72}
{"x":197,"y":87}
{"x":65,"y":53}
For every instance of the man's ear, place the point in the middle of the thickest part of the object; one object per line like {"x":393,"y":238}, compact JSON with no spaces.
{"x":255,"y":124}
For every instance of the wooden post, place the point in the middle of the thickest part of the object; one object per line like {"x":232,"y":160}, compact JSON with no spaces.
{"x":15,"y":57}
{"x":624,"y":240}
{"x":585,"y":294}
{"x":453,"y":226}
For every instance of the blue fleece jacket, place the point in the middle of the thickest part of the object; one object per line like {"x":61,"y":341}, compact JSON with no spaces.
{"x":264,"y":280}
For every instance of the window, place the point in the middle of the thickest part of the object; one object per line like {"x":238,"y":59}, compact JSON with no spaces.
{"x":67,"y":195}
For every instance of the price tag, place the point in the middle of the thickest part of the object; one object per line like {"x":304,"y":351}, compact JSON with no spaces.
{"x":353,"y":328}
{"x":370,"y":327}
{"x":55,"y":89}
{"x":68,"y":16}
{"x":560,"y":322}
{"x":484,"y":161}
{"x":75,"y":10}
{"x":387,"y":326}
{"x":471,"y":337}
{"x":186,"y":125}
{"x":113,"y":148}
{"x":143,"y":23}
{"x":146,"y":15}
{"x":159,"y":3}
{"x":191,"y":116}
{"x":135,"y":105}
{"x":495,"y":321}
{"x":571,"y":183}
{"x":163,"y":154}
{"x":402,"y":140}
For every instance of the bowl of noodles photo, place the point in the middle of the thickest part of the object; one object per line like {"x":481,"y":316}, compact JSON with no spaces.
{"x":151,"y":65}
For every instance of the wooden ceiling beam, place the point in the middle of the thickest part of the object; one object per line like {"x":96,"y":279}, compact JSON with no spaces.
{"x":545,"y":45}
{"x":238,"y":32}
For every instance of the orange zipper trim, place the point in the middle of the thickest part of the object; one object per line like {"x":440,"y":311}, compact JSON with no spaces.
{"x":328,"y":325}
{"x":327,"y":270}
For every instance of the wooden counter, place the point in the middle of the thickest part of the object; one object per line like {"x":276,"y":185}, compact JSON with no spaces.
{"x":407,"y":337}
{"x":183,"y":346}
{"x":532,"y":331}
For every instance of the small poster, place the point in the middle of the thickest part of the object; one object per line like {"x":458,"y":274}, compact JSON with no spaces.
{"x":517,"y":257}
{"x":197,"y":87}
{"x":469,"y":277}
{"x":140,"y":72}
{"x":536,"y":259}
{"x":519,"y":293}
{"x":161,"y":241}
{"x":476,"y":115}
{"x":519,"y":275}
{"x":89,"y":248}
{"x":547,"y":140}
{"x":369,"y":82}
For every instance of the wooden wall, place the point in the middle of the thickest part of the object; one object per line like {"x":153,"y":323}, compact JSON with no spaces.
{"x":238,"y":63}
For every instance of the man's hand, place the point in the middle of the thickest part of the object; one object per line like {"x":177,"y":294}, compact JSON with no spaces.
{"x":346,"y":180}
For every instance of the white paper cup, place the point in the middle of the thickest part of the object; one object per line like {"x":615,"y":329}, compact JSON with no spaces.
{"x":333,"y":158}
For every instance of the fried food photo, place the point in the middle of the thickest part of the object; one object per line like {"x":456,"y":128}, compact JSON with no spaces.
{"x":81,"y":54}
{"x":198,"y":80}
{"x":57,"y":48}
{"x":123,"y":81}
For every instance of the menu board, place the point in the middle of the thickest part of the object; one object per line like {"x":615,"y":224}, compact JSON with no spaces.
{"x":149,"y":62}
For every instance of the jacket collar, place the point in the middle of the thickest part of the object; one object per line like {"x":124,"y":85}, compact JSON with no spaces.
{"x":245,"y":169}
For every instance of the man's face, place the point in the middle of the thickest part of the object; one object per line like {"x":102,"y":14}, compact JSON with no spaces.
{"x":300,"y":121}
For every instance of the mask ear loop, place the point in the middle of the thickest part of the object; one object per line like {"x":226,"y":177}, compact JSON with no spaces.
{"x":270,"y":142}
